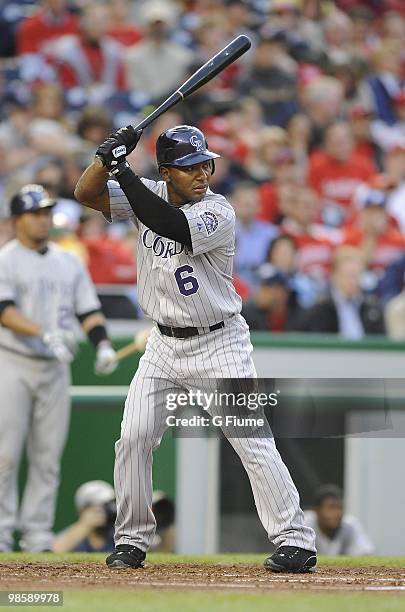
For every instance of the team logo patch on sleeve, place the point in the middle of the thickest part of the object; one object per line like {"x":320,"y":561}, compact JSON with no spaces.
{"x":210,"y":221}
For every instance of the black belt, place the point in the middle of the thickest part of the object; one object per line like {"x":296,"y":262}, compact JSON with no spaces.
{"x":188,"y":332}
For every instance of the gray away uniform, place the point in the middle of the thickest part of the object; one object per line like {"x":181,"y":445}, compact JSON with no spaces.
{"x":350,"y":538}
{"x":180,"y":287}
{"x":50,"y":289}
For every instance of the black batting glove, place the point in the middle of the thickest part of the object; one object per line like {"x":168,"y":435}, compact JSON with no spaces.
{"x":117,"y":146}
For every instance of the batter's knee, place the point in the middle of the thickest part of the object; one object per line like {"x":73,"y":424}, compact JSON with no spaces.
{"x":141,"y":439}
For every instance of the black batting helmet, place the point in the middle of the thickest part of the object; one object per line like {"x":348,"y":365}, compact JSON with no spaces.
{"x":29,"y":199}
{"x":183,"y":145}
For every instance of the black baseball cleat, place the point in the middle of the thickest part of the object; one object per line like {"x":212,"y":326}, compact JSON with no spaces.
{"x":125,"y":556}
{"x":291,"y":559}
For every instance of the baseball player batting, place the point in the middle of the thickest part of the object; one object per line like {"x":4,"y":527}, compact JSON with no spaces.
{"x":186,"y":247}
{"x":42,"y":290}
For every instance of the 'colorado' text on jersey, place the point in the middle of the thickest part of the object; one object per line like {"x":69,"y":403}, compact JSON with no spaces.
{"x":178,"y":286}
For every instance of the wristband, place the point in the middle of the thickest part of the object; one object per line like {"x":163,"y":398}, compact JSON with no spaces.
{"x":120,"y":168}
{"x":97,"y":334}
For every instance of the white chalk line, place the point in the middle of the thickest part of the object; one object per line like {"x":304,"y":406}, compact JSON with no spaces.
{"x":384,"y":588}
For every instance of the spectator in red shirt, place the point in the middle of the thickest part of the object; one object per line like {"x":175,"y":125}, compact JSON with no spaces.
{"x":380,"y":241}
{"x":224,"y":133}
{"x":360,"y":122}
{"x":110,"y":260}
{"x":315,"y":242}
{"x":91,"y":60}
{"x":122,"y":29}
{"x":36,"y":35}
{"x":285,"y":173}
{"x":336,"y":172}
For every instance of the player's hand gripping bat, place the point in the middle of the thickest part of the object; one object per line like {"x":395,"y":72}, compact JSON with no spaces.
{"x":129,"y":136}
{"x":203,"y":75}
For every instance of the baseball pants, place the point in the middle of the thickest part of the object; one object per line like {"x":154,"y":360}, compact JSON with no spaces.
{"x":34,"y":408}
{"x":168,"y":366}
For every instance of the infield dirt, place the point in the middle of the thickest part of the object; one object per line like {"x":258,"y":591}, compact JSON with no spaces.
{"x":195,"y":576}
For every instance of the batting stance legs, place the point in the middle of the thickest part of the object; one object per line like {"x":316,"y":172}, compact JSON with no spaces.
{"x":166,"y":362}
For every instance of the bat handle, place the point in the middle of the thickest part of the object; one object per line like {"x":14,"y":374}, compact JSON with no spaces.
{"x":127,"y":350}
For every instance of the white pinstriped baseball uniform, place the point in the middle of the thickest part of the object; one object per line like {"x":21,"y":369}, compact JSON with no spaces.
{"x":51,"y":289}
{"x":182,"y":287}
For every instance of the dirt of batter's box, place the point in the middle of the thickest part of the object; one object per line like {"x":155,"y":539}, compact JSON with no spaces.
{"x":181,"y":576}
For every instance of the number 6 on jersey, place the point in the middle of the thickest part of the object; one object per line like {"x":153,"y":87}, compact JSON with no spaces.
{"x":187,"y":284}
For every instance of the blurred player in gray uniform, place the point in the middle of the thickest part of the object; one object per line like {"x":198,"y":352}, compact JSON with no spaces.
{"x":185,"y":256}
{"x":337,"y":533}
{"x":42,"y":290}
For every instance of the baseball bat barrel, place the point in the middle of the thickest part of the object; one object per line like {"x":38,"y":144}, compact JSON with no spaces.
{"x":203,"y":75}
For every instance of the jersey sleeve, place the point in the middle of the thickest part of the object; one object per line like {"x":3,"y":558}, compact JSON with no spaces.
{"x":85,"y":299}
{"x":212,"y":226}
{"x":7,"y":288}
{"x":120,"y":208}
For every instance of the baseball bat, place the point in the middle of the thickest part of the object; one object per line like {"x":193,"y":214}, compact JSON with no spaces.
{"x":137,"y":345}
{"x":203,"y":75}
{"x":127,"y":350}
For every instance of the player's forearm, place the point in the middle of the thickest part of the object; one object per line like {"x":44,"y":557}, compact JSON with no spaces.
{"x":91,"y":189}
{"x":93,"y":320}
{"x":13,"y":319}
{"x":153,"y":211}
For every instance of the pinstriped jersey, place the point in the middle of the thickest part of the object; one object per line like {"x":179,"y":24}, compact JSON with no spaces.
{"x":179,"y":286}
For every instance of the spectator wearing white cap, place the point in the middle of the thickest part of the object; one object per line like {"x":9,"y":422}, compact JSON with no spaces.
{"x":94,"y":529}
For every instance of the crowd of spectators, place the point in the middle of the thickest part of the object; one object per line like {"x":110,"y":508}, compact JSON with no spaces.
{"x":310,"y":125}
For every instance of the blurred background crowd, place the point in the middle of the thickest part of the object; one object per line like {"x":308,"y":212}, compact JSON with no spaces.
{"x":310,"y":125}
